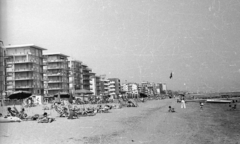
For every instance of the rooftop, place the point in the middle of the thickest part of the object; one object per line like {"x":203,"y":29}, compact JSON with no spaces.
{"x":25,"y":45}
{"x":57,"y":53}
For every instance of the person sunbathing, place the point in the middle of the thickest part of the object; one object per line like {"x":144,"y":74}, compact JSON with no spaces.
{"x":11,"y":112}
{"x":45,"y":119}
{"x":171,"y":109}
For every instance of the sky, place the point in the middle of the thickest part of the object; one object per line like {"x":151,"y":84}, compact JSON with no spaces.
{"x":136,"y":40}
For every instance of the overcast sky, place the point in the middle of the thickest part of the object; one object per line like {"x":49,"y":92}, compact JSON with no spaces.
{"x":136,"y":40}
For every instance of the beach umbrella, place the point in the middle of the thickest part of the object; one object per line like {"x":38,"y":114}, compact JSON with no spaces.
{"x":19,"y":95}
{"x":142,"y":95}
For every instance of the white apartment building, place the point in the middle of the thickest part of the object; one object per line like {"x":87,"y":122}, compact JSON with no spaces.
{"x":74,"y":75}
{"x":56,"y":73}
{"x":24,"y":69}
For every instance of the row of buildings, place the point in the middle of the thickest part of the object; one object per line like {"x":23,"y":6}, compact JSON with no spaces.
{"x":29,"y":68}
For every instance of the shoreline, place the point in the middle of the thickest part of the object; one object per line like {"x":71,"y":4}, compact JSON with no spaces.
{"x":148,"y":123}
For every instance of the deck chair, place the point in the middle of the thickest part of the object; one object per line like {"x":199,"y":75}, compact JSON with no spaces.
{"x":62,"y":111}
{"x":101,"y":109}
{"x":11,"y":112}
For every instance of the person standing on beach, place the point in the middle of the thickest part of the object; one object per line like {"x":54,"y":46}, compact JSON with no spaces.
{"x":183,"y":104}
{"x":201,"y":105}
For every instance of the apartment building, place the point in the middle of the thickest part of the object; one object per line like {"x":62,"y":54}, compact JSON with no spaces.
{"x":104,"y":85}
{"x":133,"y":88}
{"x":85,"y":77}
{"x":74,"y":75}
{"x":2,"y":74}
{"x":162,"y":88}
{"x":24,"y":69}
{"x":114,"y":87}
{"x":56,"y":73}
{"x":95,"y":86}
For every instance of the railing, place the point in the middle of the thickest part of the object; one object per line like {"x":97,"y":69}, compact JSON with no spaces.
{"x":23,"y":78}
{"x":23,"y":61}
{"x":26,"y":86}
{"x":54,"y":88}
{"x":55,"y":74}
{"x":26,"y":69}
{"x":55,"y":81}
{"x":56,"y":60}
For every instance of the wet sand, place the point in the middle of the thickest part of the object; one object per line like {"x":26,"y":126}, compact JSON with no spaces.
{"x":149,"y":123}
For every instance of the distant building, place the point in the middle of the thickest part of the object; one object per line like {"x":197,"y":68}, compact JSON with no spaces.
{"x":114,"y":87}
{"x":2,"y":74}
{"x":162,"y":88}
{"x":56,"y":70}
{"x":95,"y":86}
{"x":104,"y":85}
{"x":74,"y":75}
{"x":24,"y":69}
{"x":85,"y":77}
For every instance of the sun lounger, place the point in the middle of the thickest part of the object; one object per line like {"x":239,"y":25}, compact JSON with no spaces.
{"x":62,"y":111}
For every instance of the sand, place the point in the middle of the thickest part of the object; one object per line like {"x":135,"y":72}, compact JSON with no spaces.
{"x":150,"y":123}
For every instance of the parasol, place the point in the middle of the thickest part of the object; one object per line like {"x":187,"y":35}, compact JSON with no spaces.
{"x":19,"y":95}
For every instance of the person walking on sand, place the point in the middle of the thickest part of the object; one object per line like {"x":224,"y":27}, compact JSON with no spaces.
{"x":201,"y":105}
{"x":183,"y":104}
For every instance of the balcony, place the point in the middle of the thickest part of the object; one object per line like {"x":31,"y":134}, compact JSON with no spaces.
{"x":56,"y":81}
{"x":88,"y":74}
{"x":55,"y":74}
{"x":88,"y":84}
{"x":57,"y":67}
{"x":112,"y":90}
{"x":9,"y":78}
{"x":112,"y":86}
{"x":55,"y":88}
{"x":25,"y":61}
{"x":25,"y":87}
{"x":24,"y":78}
{"x":25,"y":69}
{"x":53,"y":61}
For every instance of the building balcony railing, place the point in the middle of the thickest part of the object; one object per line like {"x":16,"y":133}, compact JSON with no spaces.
{"x":56,"y":74}
{"x":26,"y":86}
{"x":86,"y":78}
{"x":25,"y":61}
{"x":56,"y":81}
{"x":57,"y":67}
{"x":86,"y":74}
{"x":112,"y":86}
{"x":56,"y":60}
{"x":25,"y":78}
{"x":25,"y":69}
{"x":55,"y":88}
{"x":111,"y":90}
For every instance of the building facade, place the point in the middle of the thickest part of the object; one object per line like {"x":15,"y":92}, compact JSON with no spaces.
{"x":56,"y":73}
{"x":114,"y":87}
{"x":24,"y":69}
{"x":2,"y":74}
{"x":85,"y":77}
{"x":95,"y":86}
{"x":74,"y":75}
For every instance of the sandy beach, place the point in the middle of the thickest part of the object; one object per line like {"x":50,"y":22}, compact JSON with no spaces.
{"x":150,"y":123}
